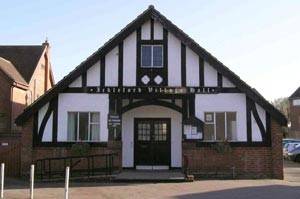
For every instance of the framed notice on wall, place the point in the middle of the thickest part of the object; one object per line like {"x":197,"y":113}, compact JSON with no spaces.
{"x":192,"y":133}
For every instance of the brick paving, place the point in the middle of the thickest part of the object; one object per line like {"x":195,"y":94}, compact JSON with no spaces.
{"x":208,"y":189}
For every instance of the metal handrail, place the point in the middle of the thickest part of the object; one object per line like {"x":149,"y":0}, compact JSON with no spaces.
{"x":89,"y":169}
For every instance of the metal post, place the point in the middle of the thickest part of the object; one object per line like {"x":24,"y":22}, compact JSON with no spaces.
{"x":31,"y":180}
{"x":67,"y":183}
{"x":2,"y":181}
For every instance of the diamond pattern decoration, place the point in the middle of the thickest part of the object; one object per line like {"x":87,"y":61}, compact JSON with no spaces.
{"x":145,"y":79}
{"x":158,"y":79}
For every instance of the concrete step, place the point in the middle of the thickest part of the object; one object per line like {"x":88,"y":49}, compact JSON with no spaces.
{"x":150,"y":176}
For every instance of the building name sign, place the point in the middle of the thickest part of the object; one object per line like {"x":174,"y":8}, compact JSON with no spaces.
{"x":154,"y":90}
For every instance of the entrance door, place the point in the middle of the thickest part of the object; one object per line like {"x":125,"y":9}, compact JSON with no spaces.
{"x":152,"y":146}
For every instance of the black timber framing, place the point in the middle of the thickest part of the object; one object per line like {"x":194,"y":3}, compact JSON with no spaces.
{"x":151,"y":102}
{"x":152,"y":29}
{"x":138,"y":55}
{"x":201,"y":71}
{"x":83,"y":79}
{"x":102,"y":71}
{"x":183,"y":65}
{"x":268,"y":129}
{"x":133,"y":26}
{"x":120,"y":65}
{"x":220,"y":80}
{"x":248,"y":120}
{"x":85,"y":90}
{"x":165,"y":55}
{"x":44,"y":122}
{"x":258,"y":121}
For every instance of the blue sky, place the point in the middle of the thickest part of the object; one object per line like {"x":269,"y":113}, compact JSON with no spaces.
{"x":258,"y":40}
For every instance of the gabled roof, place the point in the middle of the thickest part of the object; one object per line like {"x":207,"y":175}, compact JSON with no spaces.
{"x":9,"y":69}
{"x":296,"y":94}
{"x":145,"y":16}
{"x":24,"y":58}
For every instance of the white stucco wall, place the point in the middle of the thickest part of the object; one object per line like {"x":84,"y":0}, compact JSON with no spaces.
{"x":174,"y":61}
{"x":158,"y":30}
{"x":192,"y":68}
{"x":146,"y":30}
{"x":76,"y":83}
{"x":151,"y":111}
{"x":221,"y":103}
{"x":48,"y":128}
{"x":129,"y":60}
{"x":85,"y":103}
{"x":227,"y":83}
{"x":42,"y":113}
{"x":111,"y":67}
{"x":210,"y":75}
{"x":256,"y":134}
{"x":93,"y":75}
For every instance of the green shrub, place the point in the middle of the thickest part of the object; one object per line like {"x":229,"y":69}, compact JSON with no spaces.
{"x":80,"y":149}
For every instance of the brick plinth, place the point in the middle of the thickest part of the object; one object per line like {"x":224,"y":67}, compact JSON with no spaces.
{"x":248,"y":162}
{"x":29,"y":154}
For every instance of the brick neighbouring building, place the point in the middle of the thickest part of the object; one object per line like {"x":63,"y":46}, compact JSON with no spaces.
{"x":25,"y":75}
{"x":294,"y":102}
{"x":177,"y":105}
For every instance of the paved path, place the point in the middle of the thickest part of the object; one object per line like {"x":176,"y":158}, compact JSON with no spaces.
{"x":292,"y":171}
{"x":208,"y":189}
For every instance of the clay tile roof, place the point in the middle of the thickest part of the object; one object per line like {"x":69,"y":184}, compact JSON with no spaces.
{"x":24,"y":58}
{"x":9,"y":69}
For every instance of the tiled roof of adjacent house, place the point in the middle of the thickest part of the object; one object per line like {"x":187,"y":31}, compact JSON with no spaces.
{"x":296,"y":94}
{"x":24,"y":58}
{"x":10,"y":70}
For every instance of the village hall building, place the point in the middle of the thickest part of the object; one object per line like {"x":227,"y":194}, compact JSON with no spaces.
{"x":161,"y":101}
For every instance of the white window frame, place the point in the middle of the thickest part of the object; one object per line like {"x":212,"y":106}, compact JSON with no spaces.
{"x":215,"y":124}
{"x":89,"y":126}
{"x":162,"y":54}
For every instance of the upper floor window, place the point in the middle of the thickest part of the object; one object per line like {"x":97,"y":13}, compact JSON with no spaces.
{"x":152,"y":56}
{"x":220,"y":126}
{"x":83,"y":126}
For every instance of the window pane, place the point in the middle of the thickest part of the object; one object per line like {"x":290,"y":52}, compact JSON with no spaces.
{"x":83,"y":126}
{"x":220,"y":126}
{"x":209,"y":130}
{"x":157,"y":56}
{"x":95,"y":117}
{"x":146,"y":56}
{"x":72,"y":126}
{"x":231,"y":126}
{"x":95,"y":132}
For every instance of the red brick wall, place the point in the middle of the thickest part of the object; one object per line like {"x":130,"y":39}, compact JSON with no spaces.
{"x":249,"y":162}
{"x":5,"y":103}
{"x":29,"y":154}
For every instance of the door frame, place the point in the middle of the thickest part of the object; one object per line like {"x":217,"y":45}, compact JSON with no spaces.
{"x":168,"y":120}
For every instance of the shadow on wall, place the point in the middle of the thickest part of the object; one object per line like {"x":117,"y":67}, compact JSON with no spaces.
{"x":259,"y":192}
